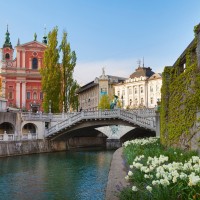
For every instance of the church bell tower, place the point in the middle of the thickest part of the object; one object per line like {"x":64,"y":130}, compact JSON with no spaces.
{"x":7,"y":50}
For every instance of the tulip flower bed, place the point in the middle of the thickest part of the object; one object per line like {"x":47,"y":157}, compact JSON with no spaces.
{"x":160,"y":173}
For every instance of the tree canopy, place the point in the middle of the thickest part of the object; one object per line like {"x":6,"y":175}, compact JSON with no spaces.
{"x":51,"y":74}
{"x":104,"y":102}
{"x":69,"y":85}
{"x":58,"y":85}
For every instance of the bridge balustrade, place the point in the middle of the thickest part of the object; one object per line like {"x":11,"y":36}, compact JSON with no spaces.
{"x":7,"y":137}
{"x":147,"y":112}
{"x":137,"y":117}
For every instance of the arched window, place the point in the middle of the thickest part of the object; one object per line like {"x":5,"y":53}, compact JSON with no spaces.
{"x":7,"y":56}
{"x":34,"y":95}
{"x":34,"y":63}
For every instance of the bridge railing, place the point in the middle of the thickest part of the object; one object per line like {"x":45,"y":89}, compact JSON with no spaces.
{"x":132,"y":117}
{"x":46,"y":116}
{"x":138,"y":120}
{"x":26,"y":116}
{"x":145,"y":112}
{"x":7,"y":137}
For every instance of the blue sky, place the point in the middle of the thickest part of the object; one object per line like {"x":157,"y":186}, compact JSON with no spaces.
{"x":107,"y":33}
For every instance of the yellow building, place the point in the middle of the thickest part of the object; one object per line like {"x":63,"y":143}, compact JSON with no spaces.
{"x":89,"y":95}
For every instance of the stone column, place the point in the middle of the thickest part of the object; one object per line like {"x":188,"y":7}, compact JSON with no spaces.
{"x":23,"y":94}
{"x":18,"y":94}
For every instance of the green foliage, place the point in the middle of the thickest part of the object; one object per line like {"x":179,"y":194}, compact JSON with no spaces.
{"x":58,"y":84}
{"x":72,"y":96}
{"x":180,"y":100}
{"x":104,"y":102}
{"x":119,"y":104}
{"x":127,"y":194}
{"x":69,"y":86}
{"x":51,"y":74}
{"x":142,"y":177}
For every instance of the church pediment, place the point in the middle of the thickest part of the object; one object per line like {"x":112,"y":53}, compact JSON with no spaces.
{"x":33,"y":44}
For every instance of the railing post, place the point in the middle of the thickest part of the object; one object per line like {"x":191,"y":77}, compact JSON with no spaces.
{"x":99,"y":113}
{"x":82,"y":114}
{"x":118,"y":112}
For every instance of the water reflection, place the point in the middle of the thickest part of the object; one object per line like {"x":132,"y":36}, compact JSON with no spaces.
{"x":64,"y":175}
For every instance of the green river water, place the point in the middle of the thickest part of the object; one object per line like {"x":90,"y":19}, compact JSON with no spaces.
{"x":75,"y":175}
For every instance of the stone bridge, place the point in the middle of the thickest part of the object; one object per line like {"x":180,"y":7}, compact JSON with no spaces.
{"x":28,"y":126}
{"x":144,"y":118}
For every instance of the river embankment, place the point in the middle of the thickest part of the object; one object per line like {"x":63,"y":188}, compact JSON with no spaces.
{"x":24,"y":147}
{"x":116,"y":177}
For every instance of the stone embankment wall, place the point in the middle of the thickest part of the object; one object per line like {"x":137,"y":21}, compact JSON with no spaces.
{"x":12,"y":148}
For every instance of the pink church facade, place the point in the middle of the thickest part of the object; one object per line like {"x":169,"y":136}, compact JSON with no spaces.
{"x":21,"y":79}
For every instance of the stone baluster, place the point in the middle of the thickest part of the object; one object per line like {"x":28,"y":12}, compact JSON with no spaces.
{"x":29,"y":135}
{"x":5,"y":136}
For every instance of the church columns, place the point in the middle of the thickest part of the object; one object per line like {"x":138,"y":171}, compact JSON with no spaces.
{"x":4,"y":88}
{"x":18,"y":94}
{"x":23,"y":59}
{"x":23,"y":94}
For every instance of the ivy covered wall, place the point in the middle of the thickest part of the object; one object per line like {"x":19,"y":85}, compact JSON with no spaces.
{"x":181,"y":99}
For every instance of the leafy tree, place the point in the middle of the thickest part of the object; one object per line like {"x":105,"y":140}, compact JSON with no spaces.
{"x":51,"y":73}
{"x":104,"y":102}
{"x":69,"y":86}
{"x":73,"y":97}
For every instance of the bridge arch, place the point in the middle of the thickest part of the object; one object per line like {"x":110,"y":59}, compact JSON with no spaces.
{"x":137,"y":132}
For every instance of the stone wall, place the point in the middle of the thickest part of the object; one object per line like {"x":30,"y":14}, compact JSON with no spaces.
{"x":12,"y":148}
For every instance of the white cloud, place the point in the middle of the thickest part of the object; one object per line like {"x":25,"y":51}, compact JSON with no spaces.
{"x":86,"y":72}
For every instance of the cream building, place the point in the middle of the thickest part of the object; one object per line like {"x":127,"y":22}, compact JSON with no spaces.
{"x":141,"y":89}
{"x":89,"y":95}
